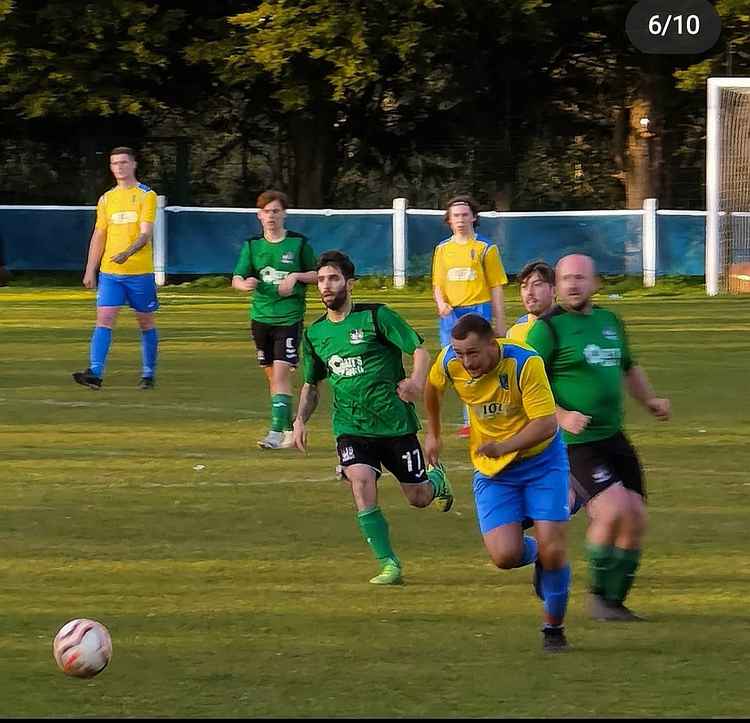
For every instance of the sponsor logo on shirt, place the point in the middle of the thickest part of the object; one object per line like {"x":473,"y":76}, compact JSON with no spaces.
{"x":491,"y":409}
{"x":357,"y":336}
{"x":122,"y":217}
{"x":272,"y":276}
{"x":460,"y":273}
{"x":346,"y":366}
{"x":598,"y":357}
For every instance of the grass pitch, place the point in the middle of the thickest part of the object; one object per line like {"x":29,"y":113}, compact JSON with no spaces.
{"x":234,"y":581}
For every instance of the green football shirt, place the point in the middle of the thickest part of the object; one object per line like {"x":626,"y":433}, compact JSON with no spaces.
{"x":585,"y":356}
{"x":270,"y":262}
{"x":361,"y":356}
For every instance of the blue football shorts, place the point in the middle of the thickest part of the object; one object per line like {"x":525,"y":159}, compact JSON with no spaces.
{"x":448,"y":322}
{"x":536,"y":487}
{"x":137,"y":290}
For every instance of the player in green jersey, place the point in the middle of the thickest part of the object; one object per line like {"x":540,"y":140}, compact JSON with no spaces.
{"x":586,"y":353}
{"x":275,"y":266}
{"x":358,"y":348}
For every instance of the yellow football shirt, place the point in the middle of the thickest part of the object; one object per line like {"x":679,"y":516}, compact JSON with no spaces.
{"x":465,"y":272}
{"x":120,"y":212}
{"x":502,"y":402}
{"x":520,"y":330}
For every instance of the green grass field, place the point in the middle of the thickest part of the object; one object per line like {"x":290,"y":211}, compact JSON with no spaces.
{"x":234,"y":581}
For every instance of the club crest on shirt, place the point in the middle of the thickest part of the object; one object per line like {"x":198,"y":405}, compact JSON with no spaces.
{"x":503,"y":381}
{"x":357,"y":336}
{"x":287,"y":258}
{"x":610,"y":334}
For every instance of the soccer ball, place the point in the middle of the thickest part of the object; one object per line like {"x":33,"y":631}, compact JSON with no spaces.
{"x":82,"y":648}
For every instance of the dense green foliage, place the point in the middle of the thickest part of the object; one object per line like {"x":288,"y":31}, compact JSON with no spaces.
{"x":526,"y":103}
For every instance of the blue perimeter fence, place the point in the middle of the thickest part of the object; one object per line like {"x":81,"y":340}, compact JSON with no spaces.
{"x":397,"y":241}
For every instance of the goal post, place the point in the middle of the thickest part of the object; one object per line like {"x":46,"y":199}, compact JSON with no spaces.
{"x":728,"y":185}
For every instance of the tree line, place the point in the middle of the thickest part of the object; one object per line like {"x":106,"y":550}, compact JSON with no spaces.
{"x":527,"y":104}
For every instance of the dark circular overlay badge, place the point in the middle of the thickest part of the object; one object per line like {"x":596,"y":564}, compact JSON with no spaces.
{"x":673,"y":26}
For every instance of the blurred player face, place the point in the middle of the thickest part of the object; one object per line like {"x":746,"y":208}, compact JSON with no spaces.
{"x":272,"y":217}
{"x":576,"y":281}
{"x":334,"y":289}
{"x":461,"y":219}
{"x":479,"y":355}
{"x":122,"y":167}
{"x":536,"y":294}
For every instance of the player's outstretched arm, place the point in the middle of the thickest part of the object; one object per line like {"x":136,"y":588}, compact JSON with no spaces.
{"x":640,"y":389}
{"x":433,"y":398}
{"x":308,"y":402}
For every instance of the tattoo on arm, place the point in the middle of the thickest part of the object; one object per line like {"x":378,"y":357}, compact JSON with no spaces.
{"x":308,"y":401}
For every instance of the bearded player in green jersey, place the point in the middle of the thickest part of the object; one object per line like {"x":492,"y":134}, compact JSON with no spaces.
{"x":359,"y":348}
{"x":276,"y":265}
{"x":586,"y":353}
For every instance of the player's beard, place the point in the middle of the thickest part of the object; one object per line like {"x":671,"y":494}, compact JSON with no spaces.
{"x":337,"y":302}
{"x":578,"y":306}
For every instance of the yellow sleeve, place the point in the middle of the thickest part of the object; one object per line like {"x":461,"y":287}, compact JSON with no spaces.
{"x":535,"y":389}
{"x":438,"y":269}
{"x":101,"y":214}
{"x":148,"y":209}
{"x":437,"y":376}
{"x":516,"y":332}
{"x":493,"y":268}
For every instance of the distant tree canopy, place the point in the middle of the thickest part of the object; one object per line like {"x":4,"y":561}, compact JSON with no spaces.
{"x":525,"y":103}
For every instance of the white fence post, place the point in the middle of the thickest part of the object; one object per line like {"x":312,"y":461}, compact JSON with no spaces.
{"x":648,"y":246}
{"x":399,"y":242}
{"x":160,"y":241}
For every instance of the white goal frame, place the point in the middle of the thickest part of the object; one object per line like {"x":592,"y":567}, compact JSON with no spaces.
{"x":713,"y":160}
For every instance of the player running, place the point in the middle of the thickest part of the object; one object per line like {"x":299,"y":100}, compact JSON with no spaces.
{"x":358,"y":348}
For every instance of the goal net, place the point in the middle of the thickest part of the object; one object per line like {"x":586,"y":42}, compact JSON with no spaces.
{"x":728,"y":186}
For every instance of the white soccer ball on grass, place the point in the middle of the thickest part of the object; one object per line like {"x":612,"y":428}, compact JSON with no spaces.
{"x":82,"y":648}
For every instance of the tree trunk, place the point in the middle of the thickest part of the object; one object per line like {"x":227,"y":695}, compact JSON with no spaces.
{"x":312,"y":140}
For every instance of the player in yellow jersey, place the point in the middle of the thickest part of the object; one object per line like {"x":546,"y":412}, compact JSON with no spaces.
{"x":521,"y":468}
{"x":467,"y":275}
{"x":121,"y":250}
{"x":537,"y":282}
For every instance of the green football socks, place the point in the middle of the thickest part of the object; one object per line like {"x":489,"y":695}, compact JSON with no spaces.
{"x":612,"y":570}
{"x":623,"y":574}
{"x":281,"y":412}
{"x":601,"y":566}
{"x":374,"y":529}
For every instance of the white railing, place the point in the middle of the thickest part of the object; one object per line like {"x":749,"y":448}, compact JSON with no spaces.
{"x":399,"y":213}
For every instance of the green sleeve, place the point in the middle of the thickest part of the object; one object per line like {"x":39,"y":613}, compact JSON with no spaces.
{"x":244,"y":264}
{"x":541,"y":339}
{"x":309,"y":259}
{"x":312,"y":365}
{"x":627,"y":357}
{"x":394,"y":328}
